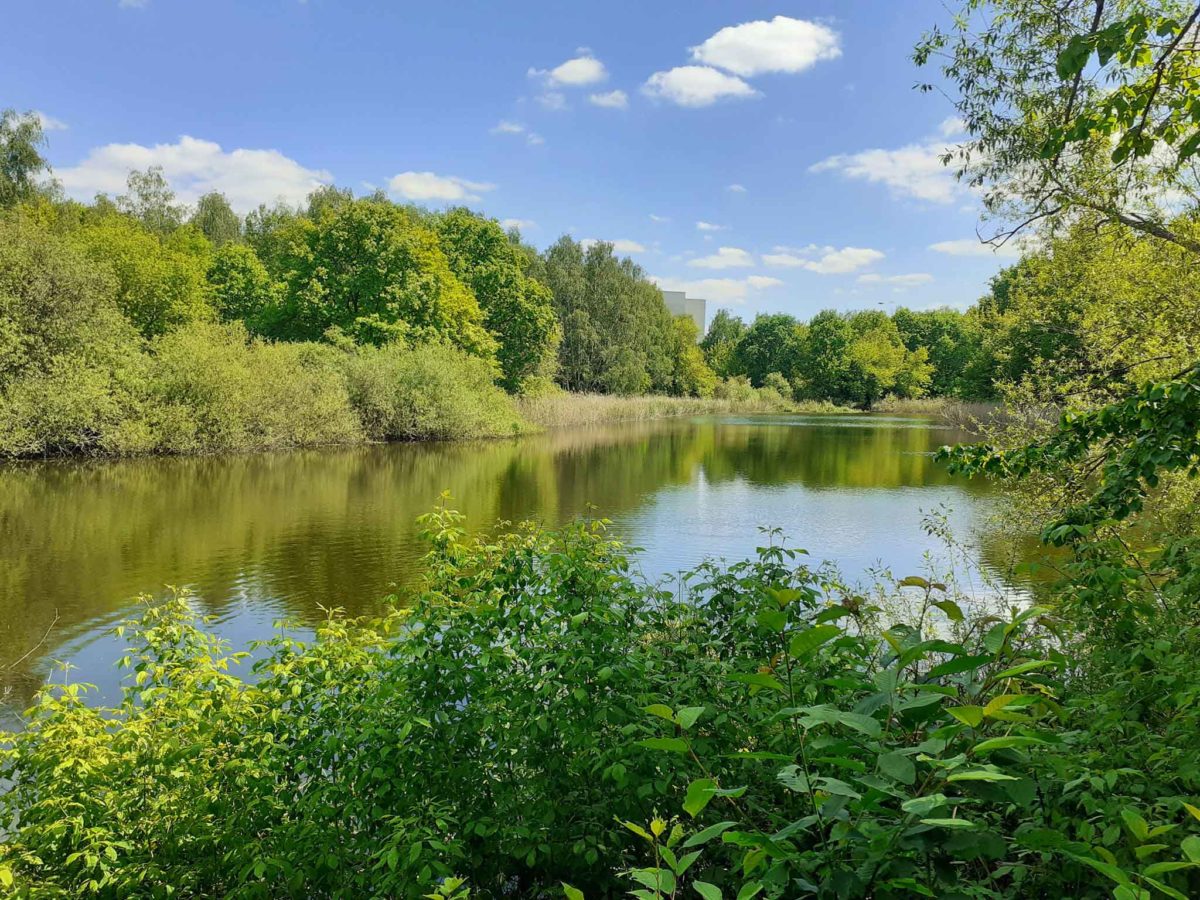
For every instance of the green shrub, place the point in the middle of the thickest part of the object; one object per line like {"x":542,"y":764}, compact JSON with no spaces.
{"x":758,"y":730}
{"x":213,"y":388}
{"x":432,"y":391}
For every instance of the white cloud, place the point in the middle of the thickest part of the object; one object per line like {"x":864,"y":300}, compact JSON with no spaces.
{"x":581,"y":70}
{"x":194,"y":167}
{"x":913,"y":171}
{"x":780,"y":45}
{"x":610,"y":100}
{"x":531,"y":137}
{"x":901,"y":281}
{"x":552,"y":100}
{"x":654,"y":218}
{"x":49,"y":123}
{"x":823,"y":260}
{"x":719,"y":290}
{"x":695,"y":86}
{"x":975,"y":247}
{"x":709,"y":226}
{"x":430,"y":186}
{"x":762,"y":282}
{"x":952,"y":126}
{"x":736,"y":189}
{"x":621,"y":245}
{"x":724,"y":258}
{"x":520,"y":224}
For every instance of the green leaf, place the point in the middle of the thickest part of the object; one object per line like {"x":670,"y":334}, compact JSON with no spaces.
{"x":827,"y":715}
{"x":898,"y":767}
{"x":671,"y":745}
{"x":959,"y":664}
{"x":706,"y":890}
{"x":6,"y":876}
{"x":949,"y":823}
{"x":1106,"y":869}
{"x":752,"y":889}
{"x":1137,"y":826}
{"x":804,"y":642}
{"x":571,"y":893}
{"x":952,"y":610}
{"x":913,"y":581}
{"x":919,"y":806}
{"x":703,"y":837}
{"x":1191,"y":848}
{"x":699,"y":793}
{"x":661,"y":710}
{"x":759,"y":680}
{"x":968,"y":715}
{"x":687,"y":716}
{"x":1005,"y":743}
{"x":1025,"y":667}
{"x":985,"y":774}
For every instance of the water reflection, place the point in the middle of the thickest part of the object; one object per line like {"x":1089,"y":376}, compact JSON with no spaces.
{"x":265,"y":536}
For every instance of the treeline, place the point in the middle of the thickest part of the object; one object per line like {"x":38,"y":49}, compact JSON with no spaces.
{"x":137,"y":324}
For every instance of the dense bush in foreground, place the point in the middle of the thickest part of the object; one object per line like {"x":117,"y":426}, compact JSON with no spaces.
{"x":538,"y":716}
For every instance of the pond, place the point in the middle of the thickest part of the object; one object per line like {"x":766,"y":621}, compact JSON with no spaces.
{"x":265,"y":537}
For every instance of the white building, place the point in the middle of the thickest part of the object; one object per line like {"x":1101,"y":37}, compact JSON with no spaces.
{"x":680,"y":304}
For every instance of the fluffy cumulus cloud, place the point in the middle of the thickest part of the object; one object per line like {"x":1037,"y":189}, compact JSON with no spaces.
{"x":194,"y":167}
{"x":610,"y":99}
{"x":620,"y":245}
{"x":912,"y":279}
{"x":696,"y":86}
{"x":976,"y":247}
{"x":736,"y":188}
{"x":709,"y":226}
{"x":781,"y":45}
{"x":915,"y":171}
{"x":519,"y":224}
{"x":724,"y":258}
{"x":428,"y":186}
{"x":719,"y":290}
{"x":823,"y":260}
{"x":579,"y":71}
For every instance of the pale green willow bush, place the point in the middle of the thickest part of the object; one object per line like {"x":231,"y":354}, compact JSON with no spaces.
{"x":536,"y":716}
{"x":433,"y":391}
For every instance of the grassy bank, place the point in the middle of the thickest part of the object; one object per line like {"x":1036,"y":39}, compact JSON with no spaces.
{"x":563,"y":410}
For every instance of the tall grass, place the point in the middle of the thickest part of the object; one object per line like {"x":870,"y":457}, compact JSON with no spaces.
{"x":566,"y":410}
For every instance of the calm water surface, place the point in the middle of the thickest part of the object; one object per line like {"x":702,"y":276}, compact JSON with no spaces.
{"x":275,"y":536}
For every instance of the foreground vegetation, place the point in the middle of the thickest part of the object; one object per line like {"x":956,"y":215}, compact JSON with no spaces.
{"x":533,"y":716}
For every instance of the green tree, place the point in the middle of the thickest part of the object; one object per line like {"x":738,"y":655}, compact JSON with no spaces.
{"x":21,"y":162}
{"x":161,"y":284}
{"x":1076,"y":109}
{"x":720,"y":342}
{"x":692,"y":376}
{"x":953,"y":341}
{"x":216,"y":219}
{"x":375,"y":272}
{"x":772,"y":343}
{"x":517,"y":309}
{"x":150,"y":200}
{"x":242,"y":288}
{"x":617,"y":332}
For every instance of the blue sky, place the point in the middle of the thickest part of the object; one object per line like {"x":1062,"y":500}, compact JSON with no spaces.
{"x":770,"y":156}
